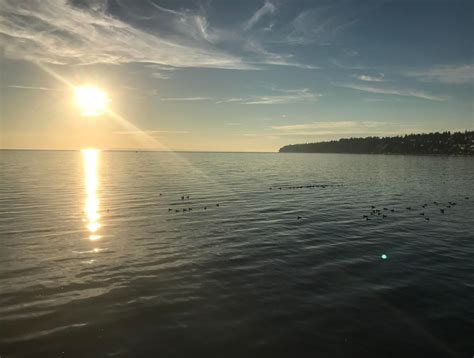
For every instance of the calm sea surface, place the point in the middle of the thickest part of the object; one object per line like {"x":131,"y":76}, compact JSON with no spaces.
{"x":99,"y":259}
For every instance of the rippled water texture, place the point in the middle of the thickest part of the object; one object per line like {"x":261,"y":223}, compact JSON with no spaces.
{"x":99,"y":259}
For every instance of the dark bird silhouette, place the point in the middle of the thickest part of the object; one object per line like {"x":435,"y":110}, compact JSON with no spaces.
{"x":373,"y":207}
{"x":467,"y":198}
{"x":435,"y":202}
{"x":299,"y":217}
{"x":393,"y":210}
{"x":422,"y":213}
{"x":160,"y":194}
{"x":182,"y":198}
{"x":367,"y":219}
{"x":190,"y":209}
{"x":427,"y":219}
{"x":177,"y":210}
{"x":170,"y":209}
{"x":385,"y":208}
{"x":217,"y":204}
{"x":205,"y":208}
{"x":365,"y":216}
{"x":441,"y":211}
{"x":384,"y":216}
{"x":408,"y":208}
{"x":187,"y":196}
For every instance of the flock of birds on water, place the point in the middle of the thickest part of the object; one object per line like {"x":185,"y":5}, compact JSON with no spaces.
{"x":184,"y":210}
{"x":189,"y":209}
{"x":386,"y":212}
{"x":373,"y":214}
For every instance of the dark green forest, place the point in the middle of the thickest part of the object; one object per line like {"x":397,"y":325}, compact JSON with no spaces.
{"x":446,"y":143}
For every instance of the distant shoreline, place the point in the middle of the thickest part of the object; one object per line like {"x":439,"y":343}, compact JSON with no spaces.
{"x":435,"y":144}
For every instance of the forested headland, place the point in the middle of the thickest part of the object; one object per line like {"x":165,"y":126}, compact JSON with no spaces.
{"x":447,"y":143}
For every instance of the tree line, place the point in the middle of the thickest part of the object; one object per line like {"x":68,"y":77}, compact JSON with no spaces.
{"x":447,"y":143}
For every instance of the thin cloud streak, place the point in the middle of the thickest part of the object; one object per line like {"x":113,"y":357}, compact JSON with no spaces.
{"x":288,"y":96}
{"x":330,"y":125}
{"x":367,"y":78}
{"x":385,"y":91}
{"x":192,"y":99}
{"x":285,"y":97}
{"x":266,"y":9}
{"x":34,"y":88}
{"x":462,"y":74}
{"x":150,"y":132}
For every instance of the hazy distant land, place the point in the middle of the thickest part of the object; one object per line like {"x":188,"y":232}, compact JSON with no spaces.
{"x":446,"y":143}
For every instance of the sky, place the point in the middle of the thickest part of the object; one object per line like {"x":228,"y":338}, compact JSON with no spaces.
{"x":224,"y":75}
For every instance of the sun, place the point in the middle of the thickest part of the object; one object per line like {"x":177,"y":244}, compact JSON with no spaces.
{"x":91,"y":100}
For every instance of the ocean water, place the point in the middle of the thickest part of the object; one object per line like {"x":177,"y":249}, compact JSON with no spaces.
{"x":99,"y":259}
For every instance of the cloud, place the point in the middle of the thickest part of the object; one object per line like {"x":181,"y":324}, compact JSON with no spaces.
{"x":266,"y":9}
{"x":367,"y":78}
{"x":329,"y":125}
{"x":150,"y":132}
{"x":461,"y":74}
{"x":283,"y":97}
{"x":339,"y":128}
{"x":231,"y":100}
{"x":271,"y":58}
{"x":193,"y":99}
{"x":161,"y":72}
{"x":395,"y":92}
{"x":325,"y":22}
{"x":287,"y":97}
{"x":57,"y":32}
{"x":34,"y":88}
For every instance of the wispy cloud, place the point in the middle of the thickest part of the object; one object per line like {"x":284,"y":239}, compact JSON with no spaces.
{"x":286,"y":97}
{"x":150,"y":132}
{"x":460,"y":74}
{"x":395,"y":92}
{"x":267,"y":8}
{"x":329,"y":125}
{"x":340,"y":128}
{"x":368,"y":78}
{"x":192,"y":99}
{"x":281,"y":97}
{"x":56,"y":31}
{"x":161,"y":72}
{"x":271,"y":58}
{"x":231,"y":100}
{"x":325,"y":22}
{"x":33,"y":88}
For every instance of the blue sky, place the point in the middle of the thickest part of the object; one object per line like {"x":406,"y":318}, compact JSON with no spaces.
{"x":233,"y":75}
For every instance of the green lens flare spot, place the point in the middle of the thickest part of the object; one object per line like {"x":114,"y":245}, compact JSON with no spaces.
{"x":384,"y":257}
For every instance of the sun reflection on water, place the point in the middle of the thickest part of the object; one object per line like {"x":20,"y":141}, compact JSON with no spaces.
{"x":91,"y":209}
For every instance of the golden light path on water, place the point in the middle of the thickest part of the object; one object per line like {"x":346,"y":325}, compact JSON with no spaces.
{"x":149,"y":143}
{"x":91,"y":209}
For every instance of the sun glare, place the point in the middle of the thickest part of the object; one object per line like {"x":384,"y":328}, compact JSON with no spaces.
{"x":91,"y":100}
